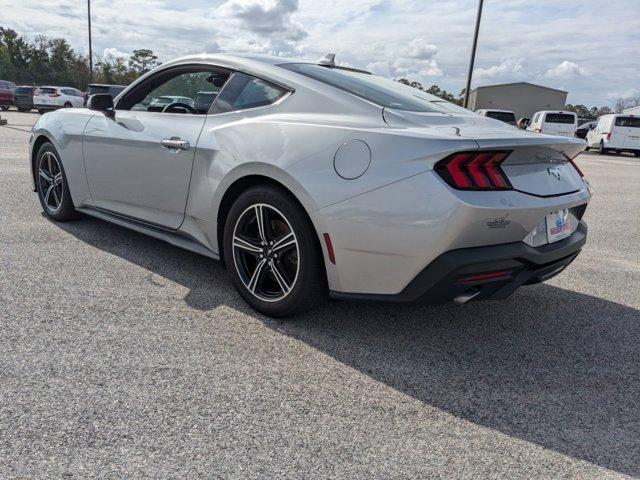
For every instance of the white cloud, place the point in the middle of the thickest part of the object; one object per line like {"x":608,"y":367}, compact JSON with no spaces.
{"x":266,"y":18}
{"x":565,"y":69}
{"x":113,"y":53}
{"x":503,"y":70}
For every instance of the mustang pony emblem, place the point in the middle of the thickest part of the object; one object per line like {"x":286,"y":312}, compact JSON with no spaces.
{"x":555,"y":172}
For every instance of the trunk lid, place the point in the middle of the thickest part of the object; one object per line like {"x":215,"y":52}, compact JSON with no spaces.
{"x":538,"y":164}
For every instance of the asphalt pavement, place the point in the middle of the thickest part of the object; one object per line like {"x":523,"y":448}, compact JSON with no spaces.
{"x":125,"y":357}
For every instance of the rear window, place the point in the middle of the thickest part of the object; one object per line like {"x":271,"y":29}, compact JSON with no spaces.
{"x":560,"y":118}
{"x":502,"y":116}
{"x":24,"y":90}
{"x":633,"y":122}
{"x":244,"y":91}
{"x":94,"y":90}
{"x":45,"y":91}
{"x":379,"y":90}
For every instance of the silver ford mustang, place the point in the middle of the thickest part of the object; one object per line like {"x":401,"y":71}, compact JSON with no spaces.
{"x":308,"y":179}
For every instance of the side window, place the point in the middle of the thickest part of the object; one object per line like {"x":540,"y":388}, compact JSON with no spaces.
{"x":184,"y":90}
{"x":243,"y":91}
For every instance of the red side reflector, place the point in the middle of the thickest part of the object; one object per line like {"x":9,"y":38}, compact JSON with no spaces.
{"x":479,"y":170}
{"x":327,"y":241}
{"x":478,"y":277}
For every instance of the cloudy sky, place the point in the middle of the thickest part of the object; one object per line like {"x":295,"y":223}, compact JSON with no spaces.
{"x":590,"y":48}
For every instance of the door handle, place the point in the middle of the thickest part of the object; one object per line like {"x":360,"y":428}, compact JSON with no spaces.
{"x":174,"y":143}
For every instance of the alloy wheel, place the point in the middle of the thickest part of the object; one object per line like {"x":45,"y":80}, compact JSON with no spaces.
{"x":266,"y":252}
{"x":50,"y":181}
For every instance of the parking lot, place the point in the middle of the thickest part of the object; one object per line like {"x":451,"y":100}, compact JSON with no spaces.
{"x":125,"y":357}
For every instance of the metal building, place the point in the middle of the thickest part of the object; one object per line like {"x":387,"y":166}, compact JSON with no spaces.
{"x":523,"y":98}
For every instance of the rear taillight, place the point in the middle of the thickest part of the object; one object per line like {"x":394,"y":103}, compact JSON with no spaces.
{"x":474,"y":170}
{"x":607,"y":136}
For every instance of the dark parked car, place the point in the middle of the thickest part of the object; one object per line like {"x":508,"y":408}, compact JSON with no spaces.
{"x":23,"y":98}
{"x":95,"y":88}
{"x":6,"y":94}
{"x":583,"y":129}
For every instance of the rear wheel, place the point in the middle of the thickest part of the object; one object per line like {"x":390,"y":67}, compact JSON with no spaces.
{"x":601,"y":149}
{"x":67,"y":105}
{"x":51,"y":181}
{"x":272,"y":252}
{"x":4,"y":107}
{"x":637,"y":153}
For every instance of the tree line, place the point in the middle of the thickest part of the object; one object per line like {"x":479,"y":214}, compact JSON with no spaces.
{"x":580,"y":110}
{"x":52,"y":61}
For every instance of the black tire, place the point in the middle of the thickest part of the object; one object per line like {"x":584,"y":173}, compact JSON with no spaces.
{"x":53,"y":191}
{"x":601,"y":149}
{"x":67,"y":105}
{"x":4,"y":107}
{"x":637,"y":153}
{"x":300,"y":267}
{"x":22,"y":109}
{"x":40,"y":111}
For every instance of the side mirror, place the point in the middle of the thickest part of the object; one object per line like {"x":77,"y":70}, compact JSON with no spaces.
{"x":101,"y":102}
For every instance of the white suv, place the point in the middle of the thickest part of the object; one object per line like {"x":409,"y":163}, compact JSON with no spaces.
{"x":52,"y":98}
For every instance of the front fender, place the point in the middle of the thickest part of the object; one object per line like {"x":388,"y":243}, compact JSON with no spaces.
{"x":64,"y":130}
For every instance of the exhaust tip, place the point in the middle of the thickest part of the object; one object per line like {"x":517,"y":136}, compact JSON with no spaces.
{"x":465,"y":296}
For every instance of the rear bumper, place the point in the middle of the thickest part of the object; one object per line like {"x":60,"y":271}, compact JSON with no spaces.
{"x":47,"y":107}
{"x":442,"y":279}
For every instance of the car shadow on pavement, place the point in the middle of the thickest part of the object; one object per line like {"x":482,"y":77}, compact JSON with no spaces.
{"x":549,"y":366}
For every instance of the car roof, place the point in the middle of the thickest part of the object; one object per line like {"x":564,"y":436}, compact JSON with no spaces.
{"x":496,"y":110}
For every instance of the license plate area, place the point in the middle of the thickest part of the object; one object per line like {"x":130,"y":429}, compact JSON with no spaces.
{"x":558,"y":225}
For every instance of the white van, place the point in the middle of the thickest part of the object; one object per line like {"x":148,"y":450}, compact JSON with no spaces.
{"x":506,"y":116}
{"x":617,"y":132}
{"x":559,"y":123}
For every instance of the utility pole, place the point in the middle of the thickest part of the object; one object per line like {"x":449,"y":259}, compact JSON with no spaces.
{"x":90,"y":49}
{"x":473,"y":54}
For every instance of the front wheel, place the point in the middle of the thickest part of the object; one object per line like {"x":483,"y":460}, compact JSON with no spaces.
{"x":272,"y":252}
{"x":4,"y":107}
{"x":51,"y":181}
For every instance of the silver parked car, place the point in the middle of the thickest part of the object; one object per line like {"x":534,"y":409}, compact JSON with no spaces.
{"x":309,"y":178}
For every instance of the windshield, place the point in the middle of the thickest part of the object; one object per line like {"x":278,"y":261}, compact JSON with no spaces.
{"x":23,"y":90}
{"x":379,"y":90}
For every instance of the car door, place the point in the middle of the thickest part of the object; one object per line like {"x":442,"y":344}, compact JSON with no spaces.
{"x":138,"y":161}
